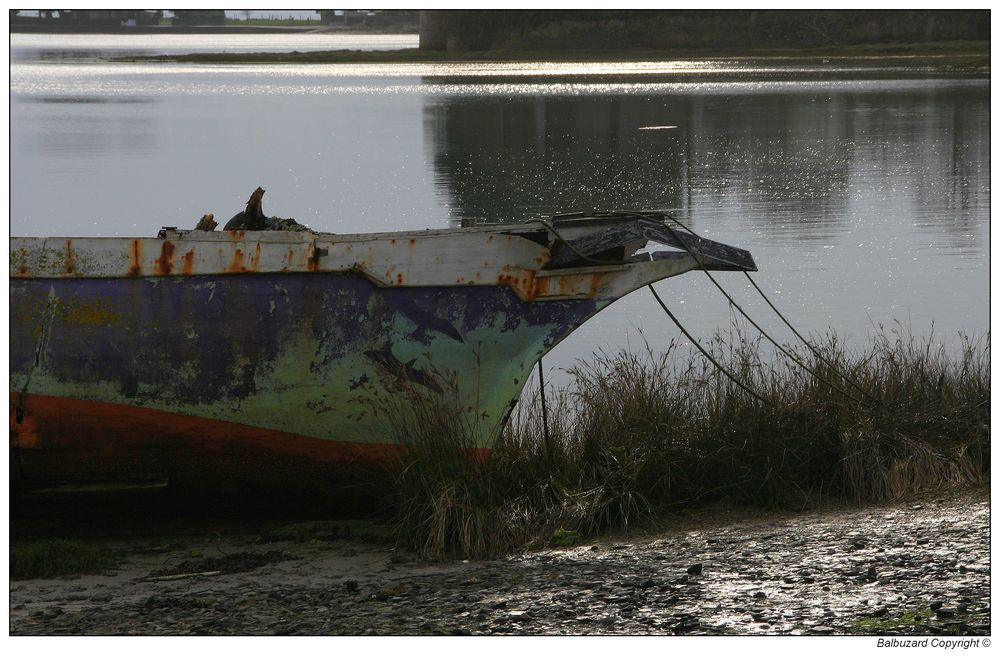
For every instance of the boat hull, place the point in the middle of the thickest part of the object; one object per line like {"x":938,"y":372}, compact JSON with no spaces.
{"x":281,"y":363}
{"x":126,"y":379}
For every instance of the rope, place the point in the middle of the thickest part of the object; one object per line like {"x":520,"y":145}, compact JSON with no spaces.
{"x":760,"y":329}
{"x":707,"y":354}
{"x":684,"y":331}
{"x":814,"y":350}
{"x":777,"y":345}
{"x":545,"y":412}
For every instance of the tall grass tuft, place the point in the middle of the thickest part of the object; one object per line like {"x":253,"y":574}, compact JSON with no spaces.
{"x":637,"y":434}
{"x":446,"y":490}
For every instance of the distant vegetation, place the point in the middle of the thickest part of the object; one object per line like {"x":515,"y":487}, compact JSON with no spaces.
{"x":638,"y":436}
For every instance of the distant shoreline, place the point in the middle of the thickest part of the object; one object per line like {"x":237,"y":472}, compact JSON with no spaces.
{"x":968,"y":57}
{"x":198,"y":29}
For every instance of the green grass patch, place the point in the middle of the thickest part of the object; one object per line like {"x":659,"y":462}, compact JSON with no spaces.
{"x":901,"y":623}
{"x":564,"y":538}
{"x":57,"y":558}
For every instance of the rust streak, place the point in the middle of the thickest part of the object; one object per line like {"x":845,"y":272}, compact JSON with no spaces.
{"x":313,"y":262}
{"x":135,"y":255}
{"x":69,"y":257}
{"x":596,"y":280}
{"x":540,"y":287}
{"x":165,"y":264}
{"x":189,"y":262}
{"x":237,"y":264}
{"x":522,"y":281}
{"x":255,"y":263}
{"x":567,"y":285}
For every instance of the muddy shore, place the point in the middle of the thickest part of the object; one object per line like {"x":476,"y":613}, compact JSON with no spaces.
{"x":919,"y":567}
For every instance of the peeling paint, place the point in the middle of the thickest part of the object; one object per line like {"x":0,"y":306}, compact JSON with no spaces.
{"x":96,"y":312}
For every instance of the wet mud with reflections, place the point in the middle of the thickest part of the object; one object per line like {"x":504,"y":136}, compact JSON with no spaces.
{"x":920,"y":567}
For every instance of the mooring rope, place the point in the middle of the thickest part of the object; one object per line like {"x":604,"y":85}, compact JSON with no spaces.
{"x":707,"y":354}
{"x":681,"y":327}
{"x":774,"y":342}
{"x":814,"y":350}
{"x":545,"y":413}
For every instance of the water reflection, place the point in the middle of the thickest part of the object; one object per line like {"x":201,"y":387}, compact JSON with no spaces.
{"x":88,"y":99}
{"x":502,"y":159}
{"x":810,"y":167}
{"x":101,"y":127}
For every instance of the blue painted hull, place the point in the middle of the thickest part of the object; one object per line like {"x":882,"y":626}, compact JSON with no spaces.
{"x":302,"y":357}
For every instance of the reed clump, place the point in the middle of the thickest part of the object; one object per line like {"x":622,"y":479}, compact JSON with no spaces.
{"x":636,"y":435}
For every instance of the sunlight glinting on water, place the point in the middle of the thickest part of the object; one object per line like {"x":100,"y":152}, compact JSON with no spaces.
{"x":176,"y":79}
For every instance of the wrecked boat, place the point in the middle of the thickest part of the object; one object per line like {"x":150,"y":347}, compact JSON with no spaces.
{"x":257,"y":361}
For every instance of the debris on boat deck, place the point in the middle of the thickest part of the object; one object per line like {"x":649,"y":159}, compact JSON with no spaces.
{"x":206,"y":223}
{"x":253,"y":218}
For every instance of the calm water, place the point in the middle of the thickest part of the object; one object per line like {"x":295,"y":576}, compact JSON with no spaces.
{"x":864,"y":196}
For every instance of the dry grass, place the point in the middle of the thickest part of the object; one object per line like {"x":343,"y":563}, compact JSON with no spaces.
{"x":639,"y":434}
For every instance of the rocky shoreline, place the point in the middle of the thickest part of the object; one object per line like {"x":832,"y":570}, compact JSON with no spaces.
{"x":920,"y":567}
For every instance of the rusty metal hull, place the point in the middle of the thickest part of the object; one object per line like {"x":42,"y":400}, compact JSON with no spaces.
{"x":245,"y":360}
